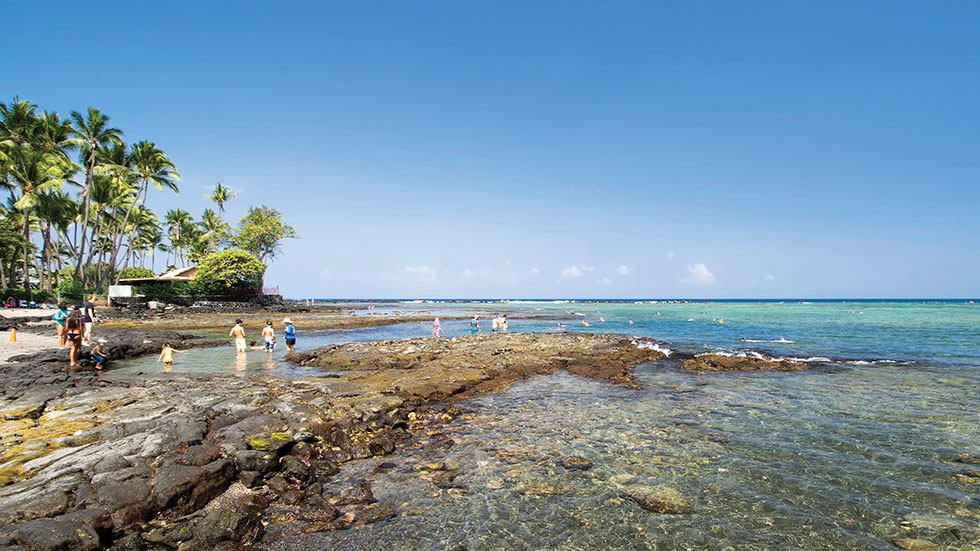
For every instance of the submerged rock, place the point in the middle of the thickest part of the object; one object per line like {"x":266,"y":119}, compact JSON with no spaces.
{"x":913,"y":544}
{"x":664,"y":501}
{"x":575,"y":463}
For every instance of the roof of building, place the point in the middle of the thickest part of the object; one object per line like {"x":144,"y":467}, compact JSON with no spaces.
{"x":180,"y":274}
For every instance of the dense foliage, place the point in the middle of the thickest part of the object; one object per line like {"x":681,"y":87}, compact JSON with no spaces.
{"x":261,"y":232}
{"x":166,"y":289}
{"x":77,"y":212}
{"x":231,"y":271}
{"x":134,"y":272}
{"x":20,"y":294}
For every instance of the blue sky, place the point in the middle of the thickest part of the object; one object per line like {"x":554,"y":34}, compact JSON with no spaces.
{"x":566,"y":149}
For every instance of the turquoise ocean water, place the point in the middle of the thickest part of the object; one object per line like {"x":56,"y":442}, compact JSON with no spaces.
{"x":875,"y":444}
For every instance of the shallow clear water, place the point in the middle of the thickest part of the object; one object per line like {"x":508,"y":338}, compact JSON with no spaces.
{"x":766,"y":461}
{"x":850,"y":454}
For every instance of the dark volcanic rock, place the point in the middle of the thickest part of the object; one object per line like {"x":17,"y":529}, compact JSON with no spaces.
{"x":56,"y":533}
{"x":317,"y":510}
{"x":359,"y":493}
{"x":254,"y":460}
{"x":575,"y":463}
{"x":718,"y":362}
{"x":242,"y":523}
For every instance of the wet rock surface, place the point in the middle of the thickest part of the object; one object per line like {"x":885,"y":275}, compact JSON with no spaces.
{"x":460,"y":367}
{"x":719,"y":362}
{"x":122,"y":343}
{"x":93,"y":461}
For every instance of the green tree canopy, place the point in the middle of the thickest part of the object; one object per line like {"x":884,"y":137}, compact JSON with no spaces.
{"x":134,"y":272}
{"x":230,"y":271}
{"x":261,"y":232}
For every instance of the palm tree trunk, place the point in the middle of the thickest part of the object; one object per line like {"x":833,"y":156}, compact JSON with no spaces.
{"x":27,"y":248}
{"x":86,"y":199}
{"x":46,"y":266}
{"x":122,"y":229}
{"x":3,"y":275}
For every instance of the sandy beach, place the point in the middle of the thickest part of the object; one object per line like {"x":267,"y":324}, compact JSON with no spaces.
{"x":27,"y":342}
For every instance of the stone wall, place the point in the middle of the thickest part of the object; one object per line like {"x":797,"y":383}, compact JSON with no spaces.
{"x":217,"y":301}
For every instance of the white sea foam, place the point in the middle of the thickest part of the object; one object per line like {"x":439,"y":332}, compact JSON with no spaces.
{"x":508,"y":301}
{"x":882,"y":362}
{"x":653,"y":346}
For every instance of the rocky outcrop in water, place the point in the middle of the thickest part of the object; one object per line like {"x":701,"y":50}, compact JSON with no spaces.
{"x":719,"y":362}
{"x":484,"y":362}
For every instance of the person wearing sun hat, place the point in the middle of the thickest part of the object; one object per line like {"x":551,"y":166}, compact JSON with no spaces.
{"x":290,"y":334}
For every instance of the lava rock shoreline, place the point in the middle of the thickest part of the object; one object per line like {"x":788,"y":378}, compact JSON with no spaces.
{"x":187,"y":461}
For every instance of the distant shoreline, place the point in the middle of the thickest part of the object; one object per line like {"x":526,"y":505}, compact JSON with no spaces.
{"x":622,"y":300}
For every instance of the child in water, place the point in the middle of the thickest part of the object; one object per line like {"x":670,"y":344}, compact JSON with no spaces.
{"x":167,"y":356}
{"x":269,"y":335}
{"x":436,"y":328}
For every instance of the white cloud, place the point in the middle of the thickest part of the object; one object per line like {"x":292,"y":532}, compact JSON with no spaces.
{"x":769,"y":277}
{"x":605,"y":281}
{"x":468,"y":272}
{"x":571,"y":271}
{"x":534,"y":271}
{"x":624,"y":270}
{"x":670,"y":254}
{"x":588,"y":268}
{"x":421,"y":273}
{"x":698,"y":273}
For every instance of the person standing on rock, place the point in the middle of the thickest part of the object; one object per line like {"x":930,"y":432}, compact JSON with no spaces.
{"x":238,"y":333}
{"x":88,"y":315}
{"x":290,"y":334}
{"x":59,"y":318}
{"x":74,"y":327}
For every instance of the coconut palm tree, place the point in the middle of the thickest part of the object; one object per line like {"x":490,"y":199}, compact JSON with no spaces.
{"x":31,"y":172}
{"x":91,"y":133}
{"x":214,"y":231}
{"x":144,"y":232}
{"x":55,"y":210}
{"x":151,"y":166}
{"x":53,"y":135}
{"x":178,"y":222}
{"x":17,"y":123}
{"x":220,"y":195}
